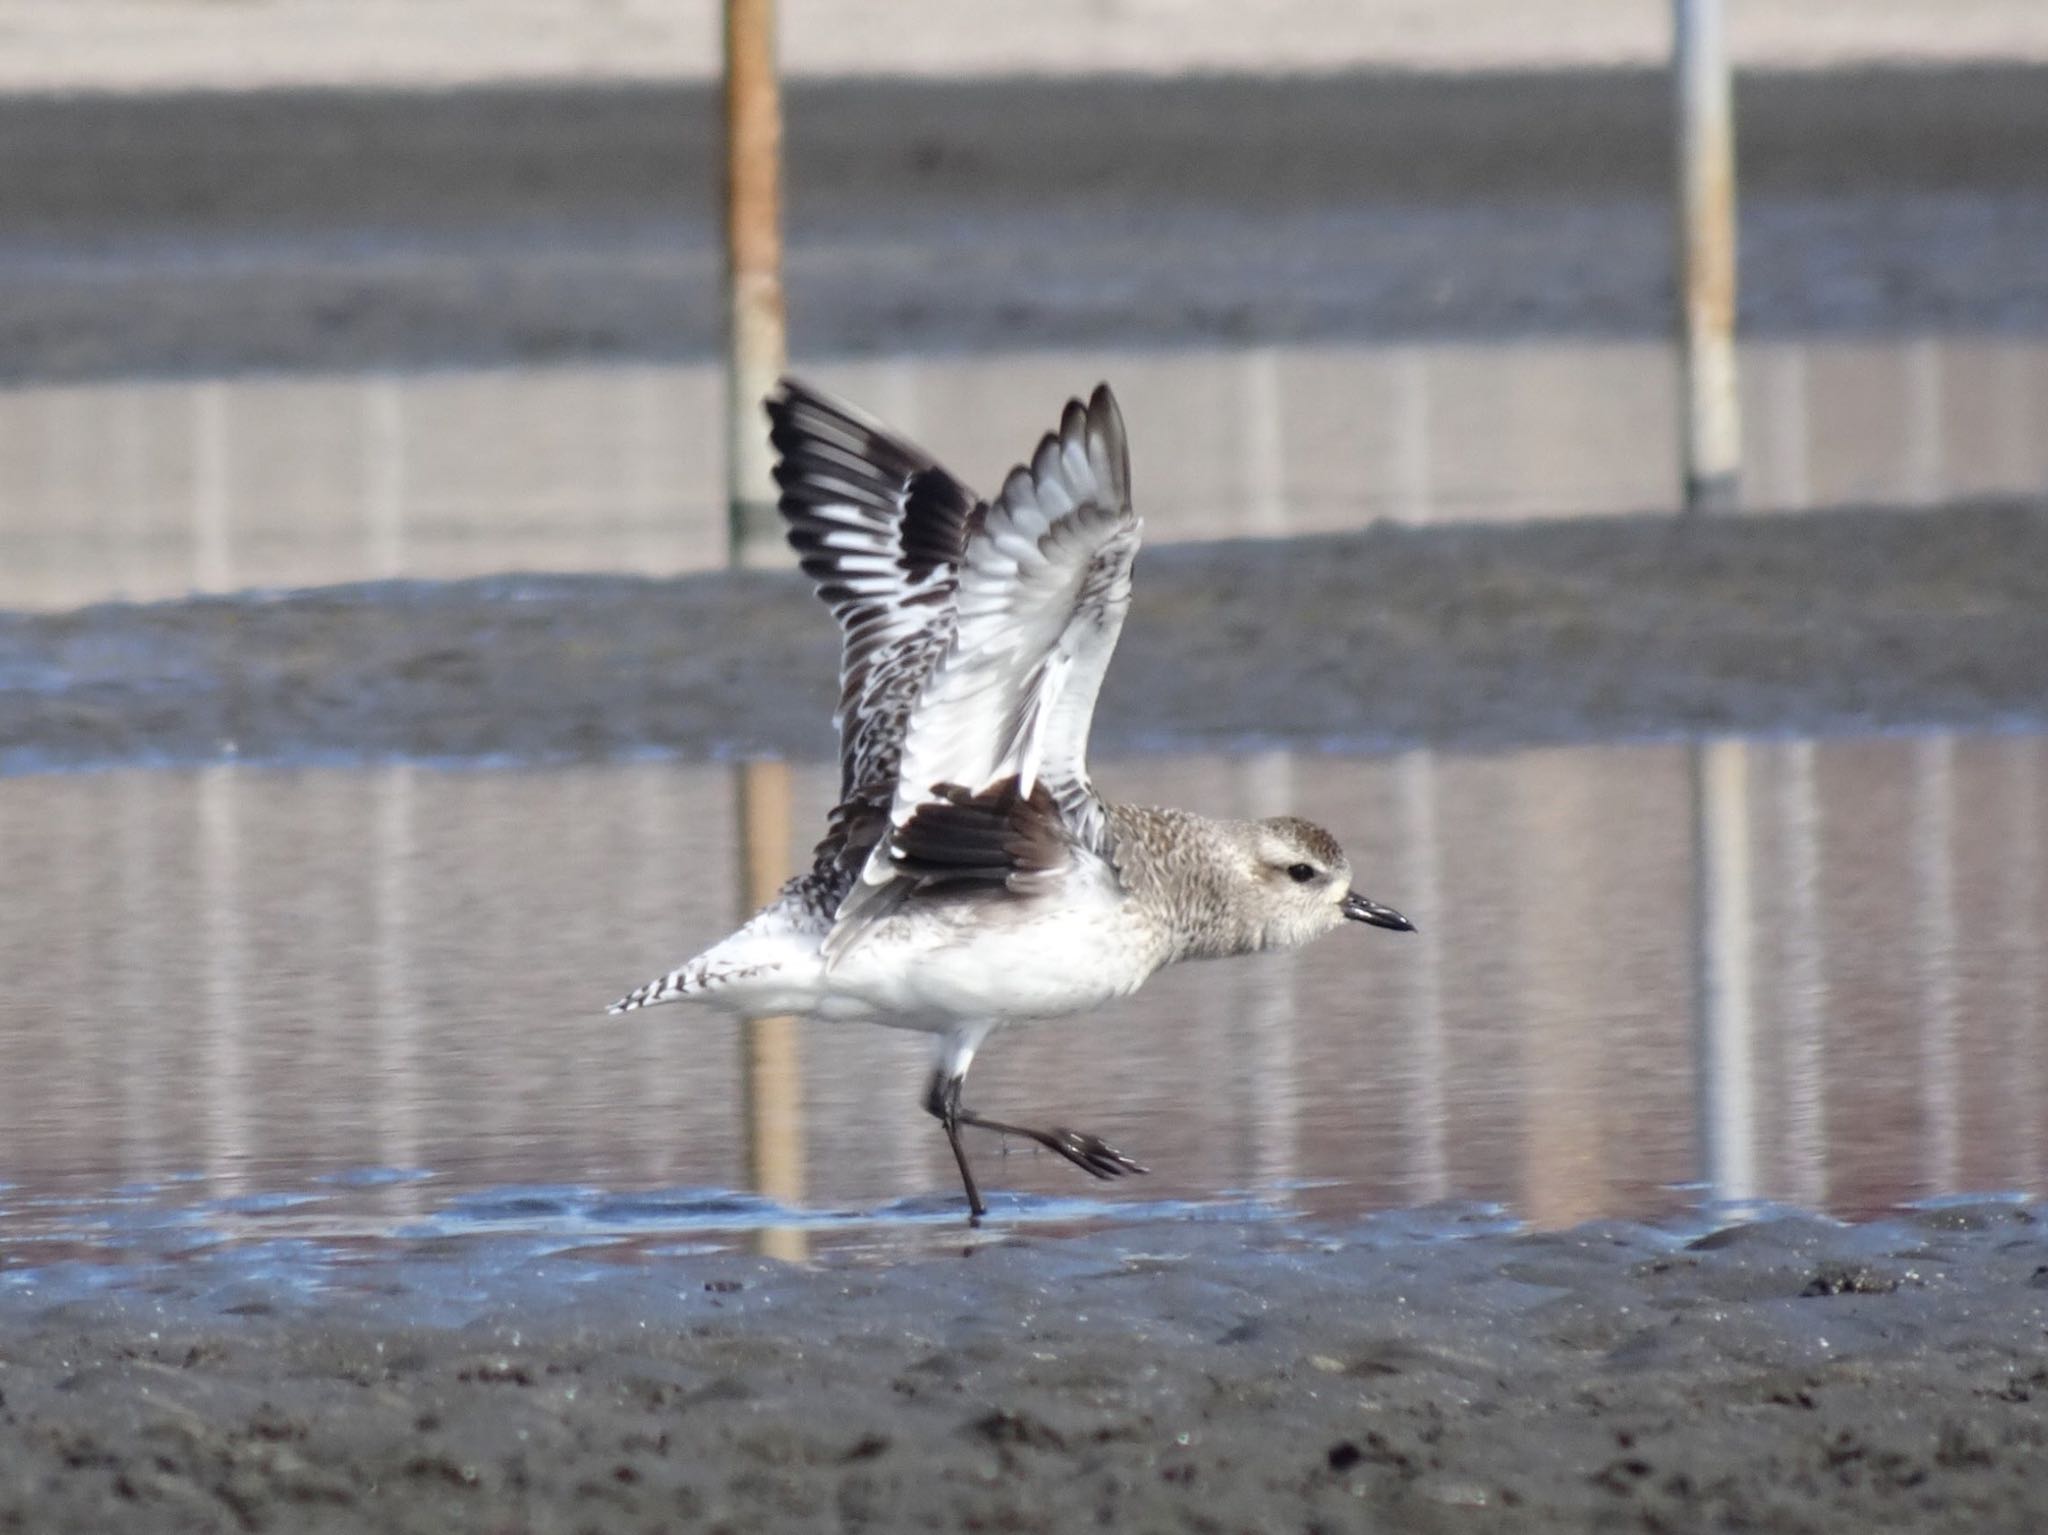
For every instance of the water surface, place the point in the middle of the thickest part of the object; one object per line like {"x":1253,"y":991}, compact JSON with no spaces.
{"x":149,"y":489}
{"x":1648,"y":976}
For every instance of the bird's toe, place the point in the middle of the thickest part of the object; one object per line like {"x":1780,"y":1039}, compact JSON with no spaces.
{"x":1092,"y":1154}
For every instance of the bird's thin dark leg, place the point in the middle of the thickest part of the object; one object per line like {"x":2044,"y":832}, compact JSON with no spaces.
{"x":1090,"y":1153}
{"x":942,"y":1102}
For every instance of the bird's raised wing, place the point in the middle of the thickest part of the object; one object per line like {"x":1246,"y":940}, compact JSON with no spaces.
{"x":881,"y":527}
{"x":1040,"y":595}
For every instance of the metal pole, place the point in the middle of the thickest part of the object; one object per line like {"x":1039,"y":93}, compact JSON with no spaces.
{"x":1706,"y":255}
{"x":756,"y":339}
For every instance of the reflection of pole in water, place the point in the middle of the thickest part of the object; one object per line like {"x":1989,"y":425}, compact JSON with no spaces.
{"x":1263,"y":495}
{"x":384,"y":473}
{"x":892,"y":389}
{"x":222,"y":932}
{"x":1804,"y":996}
{"x":139,"y":481}
{"x":2022,"y":457}
{"x":1426,"y":1173}
{"x":212,"y":558}
{"x":1788,"y":425}
{"x":1934,"y":927}
{"x":1414,"y":478}
{"x":2020,"y":939}
{"x":771,"y":1073}
{"x":397,"y":1089}
{"x":756,"y":348}
{"x":148,"y":1079}
{"x":1922,"y":481}
{"x":1724,"y":1022}
{"x":646,"y":421}
{"x":660,"y":805}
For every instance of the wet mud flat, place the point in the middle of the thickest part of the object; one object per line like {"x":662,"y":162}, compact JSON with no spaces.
{"x":290,"y":229}
{"x":1832,"y":621}
{"x":1786,"y":1374}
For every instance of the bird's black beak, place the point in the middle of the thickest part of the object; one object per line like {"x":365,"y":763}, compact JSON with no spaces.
{"x":1359,"y":909}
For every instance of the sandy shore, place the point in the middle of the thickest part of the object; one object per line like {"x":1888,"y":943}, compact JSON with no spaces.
{"x":1850,"y":620}
{"x":1789,"y":1375}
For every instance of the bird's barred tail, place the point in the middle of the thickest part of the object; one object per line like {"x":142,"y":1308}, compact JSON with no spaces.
{"x":666,"y":988}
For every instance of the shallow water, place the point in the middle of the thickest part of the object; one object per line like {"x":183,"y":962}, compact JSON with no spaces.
{"x":147,"y":489}
{"x":309,"y":1003}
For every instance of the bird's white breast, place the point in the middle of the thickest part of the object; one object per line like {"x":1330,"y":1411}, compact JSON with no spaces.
{"x":1005,"y":960}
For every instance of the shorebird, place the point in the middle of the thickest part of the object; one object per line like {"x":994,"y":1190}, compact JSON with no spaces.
{"x":970,"y":876}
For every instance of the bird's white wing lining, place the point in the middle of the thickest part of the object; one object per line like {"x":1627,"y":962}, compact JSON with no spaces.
{"x":1042,"y":589}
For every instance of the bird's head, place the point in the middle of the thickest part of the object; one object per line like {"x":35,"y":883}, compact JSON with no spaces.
{"x":1304,"y":883}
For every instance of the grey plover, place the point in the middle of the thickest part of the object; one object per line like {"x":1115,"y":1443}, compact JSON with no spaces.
{"x":970,"y":877}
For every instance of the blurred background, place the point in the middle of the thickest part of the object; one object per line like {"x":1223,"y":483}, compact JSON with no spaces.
{"x":304,"y":292}
{"x":295,"y":292}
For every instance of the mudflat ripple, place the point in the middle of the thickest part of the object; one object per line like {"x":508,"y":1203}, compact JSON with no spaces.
{"x":1785,"y":1373}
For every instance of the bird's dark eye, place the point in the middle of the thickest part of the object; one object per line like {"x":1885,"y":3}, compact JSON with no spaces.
{"x":1301,"y":873}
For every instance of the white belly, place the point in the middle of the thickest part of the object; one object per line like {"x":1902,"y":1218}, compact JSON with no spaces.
{"x":932,"y":969}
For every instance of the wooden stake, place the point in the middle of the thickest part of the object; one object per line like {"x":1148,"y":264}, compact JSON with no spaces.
{"x":756,"y":337}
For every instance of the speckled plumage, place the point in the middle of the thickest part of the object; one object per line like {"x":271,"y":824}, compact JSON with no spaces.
{"x":970,"y":876}
{"x":882,"y":529}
